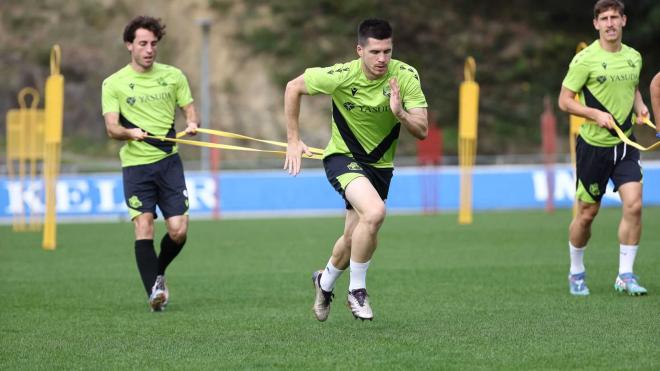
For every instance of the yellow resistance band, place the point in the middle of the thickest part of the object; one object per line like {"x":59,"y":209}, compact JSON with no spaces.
{"x":317,"y":153}
{"x":629,"y":142}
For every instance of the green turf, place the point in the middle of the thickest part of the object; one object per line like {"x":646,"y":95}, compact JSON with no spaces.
{"x":492,"y":295}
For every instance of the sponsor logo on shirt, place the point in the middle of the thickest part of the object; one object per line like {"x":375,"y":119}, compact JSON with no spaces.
{"x":617,"y":77}
{"x":148,"y":98}
{"x":624,"y":77}
{"x":366,"y":109}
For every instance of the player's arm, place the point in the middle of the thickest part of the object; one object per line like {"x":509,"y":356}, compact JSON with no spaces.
{"x":192,"y":119}
{"x":414,"y":120}
{"x":116,"y":131}
{"x":641,"y":111}
{"x":568,"y":104}
{"x":295,"y":89}
{"x":655,"y":98}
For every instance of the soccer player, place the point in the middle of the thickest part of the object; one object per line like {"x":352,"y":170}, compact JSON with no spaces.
{"x":372,"y":97}
{"x":139,"y":100}
{"x":655,"y":100}
{"x":606,"y":73}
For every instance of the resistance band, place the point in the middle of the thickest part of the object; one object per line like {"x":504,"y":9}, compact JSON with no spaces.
{"x":317,"y":153}
{"x":629,"y":142}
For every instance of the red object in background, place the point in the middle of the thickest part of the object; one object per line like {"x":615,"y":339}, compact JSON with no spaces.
{"x":429,"y":155}
{"x":549,"y":147}
{"x":429,"y":150}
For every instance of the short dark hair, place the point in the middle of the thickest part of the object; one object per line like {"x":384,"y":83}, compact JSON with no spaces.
{"x":375,"y":28}
{"x":605,"y":5}
{"x":149,"y":23}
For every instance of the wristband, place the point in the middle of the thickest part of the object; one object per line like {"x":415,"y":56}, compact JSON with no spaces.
{"x":657,"y":135}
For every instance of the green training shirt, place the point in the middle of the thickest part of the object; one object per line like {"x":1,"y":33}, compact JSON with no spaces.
{"x":146,"y":100}
{"x":363,"y":126}
{"x":607,"y":81}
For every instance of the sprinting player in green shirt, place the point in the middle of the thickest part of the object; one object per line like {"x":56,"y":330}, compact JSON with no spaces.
{"x":139,"y":100}
{"x":372,"y":97}
{"x":606,"y":75}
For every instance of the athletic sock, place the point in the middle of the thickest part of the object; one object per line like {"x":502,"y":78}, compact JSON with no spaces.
{"x":147,"y":262}
{"x":627,"y":255}
{"x":329,"y":277}
{"x":577,"y":258}
{"x":169,"y":249}
{"x":358,"y":275}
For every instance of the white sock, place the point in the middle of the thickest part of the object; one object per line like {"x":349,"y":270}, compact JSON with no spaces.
{"x":627,"y":255}
{"x":577,"y":258}
{"x":330,"y":276}
{"x":358,"y":275}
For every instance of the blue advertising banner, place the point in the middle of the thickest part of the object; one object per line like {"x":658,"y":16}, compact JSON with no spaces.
{"x":275,"y":193}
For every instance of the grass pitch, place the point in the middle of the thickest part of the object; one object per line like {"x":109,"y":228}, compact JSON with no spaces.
{"x":492,"y":295}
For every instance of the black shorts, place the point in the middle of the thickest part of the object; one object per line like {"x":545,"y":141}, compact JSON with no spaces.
{"x":596,"y":165}
{"x":161,"y":183}
{"x":341,"y":170}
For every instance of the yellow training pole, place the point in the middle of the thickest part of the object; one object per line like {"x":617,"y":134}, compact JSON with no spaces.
{"x":467,"y":138}
{"x":34,"y":150}
{"x":21,"y":127}
{"x":574,"y":130}
{"x":13,"y":137}
{"x":53,"y":139}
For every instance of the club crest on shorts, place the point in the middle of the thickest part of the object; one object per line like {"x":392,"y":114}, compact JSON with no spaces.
{"x":134,"y":202}
{"x":353,"y":166}
{"x":594,"y":190}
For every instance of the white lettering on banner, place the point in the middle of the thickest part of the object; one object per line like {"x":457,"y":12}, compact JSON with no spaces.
{"x":27,"y":200}
{"x":564,"y":186}
{"x":540,"y":186}
{"x":107,"y":197}
{"x":201,"y":193}
{"x":73,"y":197}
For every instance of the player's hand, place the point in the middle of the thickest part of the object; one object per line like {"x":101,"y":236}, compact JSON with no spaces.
{"x":604,"y":120}
{"x":191,"y":128}
{"x":293,"y":161}
{"x":395,"y":99}
{"x":136,"y":134}
{"x":642,"y":114}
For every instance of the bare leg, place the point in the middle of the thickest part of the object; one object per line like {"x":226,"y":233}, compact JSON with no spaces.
{"x":630,"y":228}
{"x":371,"y":214}
{"x":177,"y":228}
{"x":579,"y":230}
{"x":341,"y":252}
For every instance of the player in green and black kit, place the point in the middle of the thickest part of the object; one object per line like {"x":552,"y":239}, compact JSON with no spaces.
{"x":372,"y":97}
{"x":606,"y":75}
{"x":139,"y":100}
